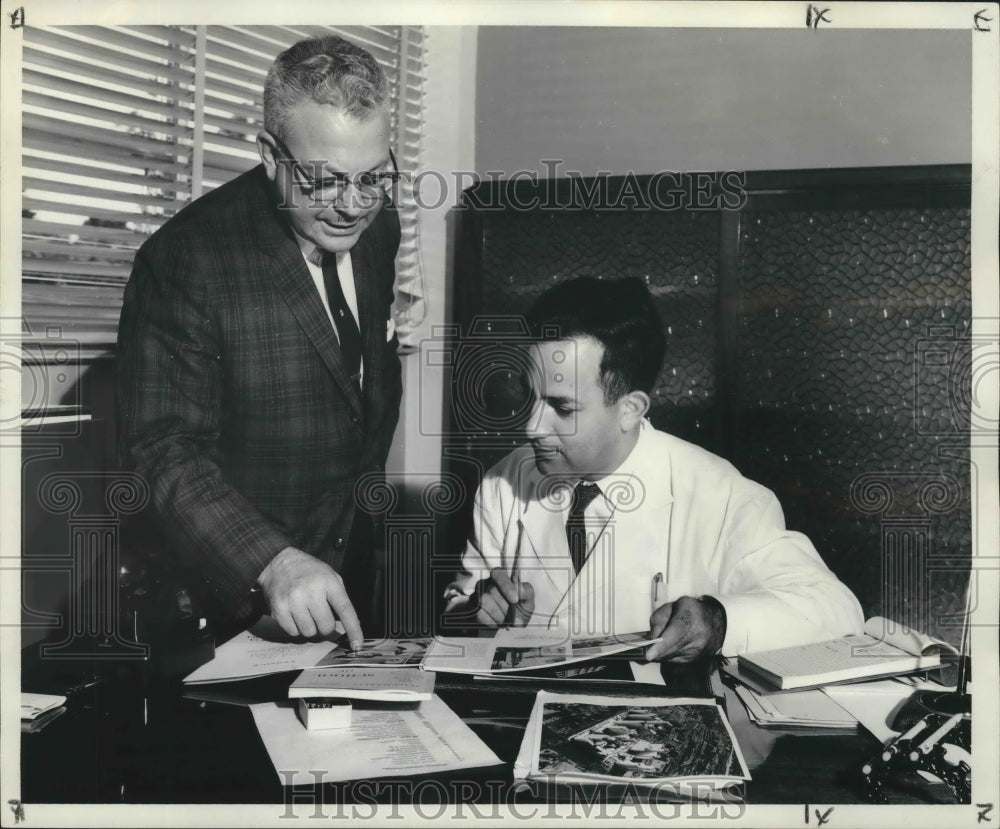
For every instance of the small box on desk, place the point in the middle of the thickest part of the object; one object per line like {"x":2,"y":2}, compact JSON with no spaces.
{"x":319,"y":713}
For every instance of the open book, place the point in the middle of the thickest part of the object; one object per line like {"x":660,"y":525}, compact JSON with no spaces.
{"x":884,"y":649}
{"x":523,"y":649}
{"x":682,"y":744}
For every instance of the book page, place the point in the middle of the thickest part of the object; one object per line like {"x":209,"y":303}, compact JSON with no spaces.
{"x":849,"y":653}
{"x":911,"y":641}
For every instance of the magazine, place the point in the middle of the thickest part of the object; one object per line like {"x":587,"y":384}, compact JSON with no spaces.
{"x":378,"y":653}
{"x":265,"y":649}
{"x":513,"y":649}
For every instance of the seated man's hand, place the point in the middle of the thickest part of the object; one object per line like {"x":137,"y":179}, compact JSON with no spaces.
{"x":306,"y":596}
{"x":690,"y":628}
{"x":495,"y":596}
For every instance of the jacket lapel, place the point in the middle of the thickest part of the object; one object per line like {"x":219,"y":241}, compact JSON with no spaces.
{"x":292,"y":282}
{"x":543,"y":538}
{"x":613,"y":585}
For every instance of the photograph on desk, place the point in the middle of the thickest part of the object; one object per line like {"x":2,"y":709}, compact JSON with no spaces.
{"x":681,"y":742}
{"x":446,"y":356}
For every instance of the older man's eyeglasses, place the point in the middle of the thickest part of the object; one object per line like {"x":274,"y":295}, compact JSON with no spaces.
{"x":331,"y":187}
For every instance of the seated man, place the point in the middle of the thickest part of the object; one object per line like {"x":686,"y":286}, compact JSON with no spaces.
{"x":601,"y":520}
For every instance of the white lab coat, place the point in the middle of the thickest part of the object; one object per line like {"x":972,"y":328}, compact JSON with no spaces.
{"x":671,"y":508}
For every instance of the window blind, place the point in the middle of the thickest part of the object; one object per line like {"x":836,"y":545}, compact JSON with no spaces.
{"x":123,"y":126}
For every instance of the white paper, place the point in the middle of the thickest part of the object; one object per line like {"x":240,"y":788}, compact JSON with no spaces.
{"x":264,"y":649}
{"x":648,"y":672}
{"x":34,"y":705}
{"x":801,"y":708}
{"x":875,"y":704}
{"x":380,"y":743}
{"x":872,"y":703}
{"x":531,"y":637}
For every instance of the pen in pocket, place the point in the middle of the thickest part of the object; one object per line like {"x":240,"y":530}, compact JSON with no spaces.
{"x":658,"y":592}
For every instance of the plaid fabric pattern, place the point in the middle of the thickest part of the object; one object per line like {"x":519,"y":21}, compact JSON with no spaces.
{"x":233,"y":398}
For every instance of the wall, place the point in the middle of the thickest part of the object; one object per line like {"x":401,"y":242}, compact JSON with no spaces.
{"x":646,"y":100}
{"x":448,"y":146}
{"x":614,"y":99}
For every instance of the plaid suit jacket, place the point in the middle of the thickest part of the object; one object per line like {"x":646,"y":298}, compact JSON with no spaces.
{"x":233,"y":399}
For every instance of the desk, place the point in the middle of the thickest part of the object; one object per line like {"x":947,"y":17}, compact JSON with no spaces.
{"x":123,"y":742}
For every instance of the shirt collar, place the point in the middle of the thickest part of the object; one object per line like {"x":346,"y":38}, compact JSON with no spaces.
{"x":312,"y":254}
{"x":620,"y":486}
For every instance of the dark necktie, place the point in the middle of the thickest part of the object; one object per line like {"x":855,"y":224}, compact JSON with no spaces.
{"x":347,"y":326}
{"x":576,"y":529}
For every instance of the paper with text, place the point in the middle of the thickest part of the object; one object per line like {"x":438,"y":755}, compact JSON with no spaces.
{"x":263,"y":649}
{"x":380,"y":742}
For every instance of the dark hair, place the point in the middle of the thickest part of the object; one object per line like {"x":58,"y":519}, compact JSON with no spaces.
{"x":328,"y":70}
{"x":618,"y":313}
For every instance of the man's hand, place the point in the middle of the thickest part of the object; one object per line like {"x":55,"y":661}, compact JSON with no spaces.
{"x":690,"y":628}
{"x":496,"y":595}
{"x":307,"y":596}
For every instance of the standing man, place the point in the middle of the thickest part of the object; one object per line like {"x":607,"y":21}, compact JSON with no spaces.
{"x":258,"y":375}
{"x":602,"y":524}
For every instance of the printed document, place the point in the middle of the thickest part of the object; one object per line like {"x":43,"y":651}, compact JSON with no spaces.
{"x":381,"y":742}
{"x":263,"y":649}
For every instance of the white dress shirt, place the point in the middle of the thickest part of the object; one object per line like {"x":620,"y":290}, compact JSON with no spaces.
{"x":345,"y":274}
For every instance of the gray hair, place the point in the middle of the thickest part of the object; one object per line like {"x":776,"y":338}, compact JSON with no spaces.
{"x":327,"y":70}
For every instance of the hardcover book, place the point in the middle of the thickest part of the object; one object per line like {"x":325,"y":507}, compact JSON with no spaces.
{"x":884,"y":649}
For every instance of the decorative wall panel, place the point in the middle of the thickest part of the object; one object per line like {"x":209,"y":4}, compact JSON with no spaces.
{"x":818,"y":337}
{"x":834,"y":306}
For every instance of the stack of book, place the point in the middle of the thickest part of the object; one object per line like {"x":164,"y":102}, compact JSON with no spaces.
{"x":794,"y":688}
